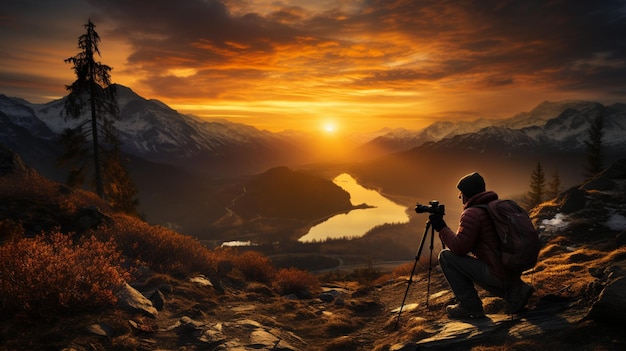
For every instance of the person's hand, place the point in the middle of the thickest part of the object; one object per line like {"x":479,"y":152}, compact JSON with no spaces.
{"x":436,"y":220}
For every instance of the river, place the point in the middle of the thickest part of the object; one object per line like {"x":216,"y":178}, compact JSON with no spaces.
{"x":357,"y":222}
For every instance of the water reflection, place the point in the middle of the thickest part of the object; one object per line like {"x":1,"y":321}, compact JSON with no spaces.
{"x":357,"y":222}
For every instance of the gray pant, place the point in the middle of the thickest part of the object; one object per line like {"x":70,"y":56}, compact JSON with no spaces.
{"x":462,"y":272}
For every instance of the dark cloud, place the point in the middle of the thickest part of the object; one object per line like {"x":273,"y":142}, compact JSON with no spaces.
{"x":351,"y":51}
{"x":489,"y":37}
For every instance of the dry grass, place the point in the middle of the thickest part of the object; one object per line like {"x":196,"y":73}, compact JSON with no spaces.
{"x":568,"y":270}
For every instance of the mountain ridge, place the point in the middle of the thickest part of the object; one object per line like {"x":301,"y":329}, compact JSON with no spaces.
{"x":540,"y":124}
{"x":177,"y":157}
{"x":152,"y":130}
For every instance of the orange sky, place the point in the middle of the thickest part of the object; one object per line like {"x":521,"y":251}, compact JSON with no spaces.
{"x":359,"y":65}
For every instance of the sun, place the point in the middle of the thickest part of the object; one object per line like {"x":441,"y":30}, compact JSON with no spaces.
{"x":329,"y":127}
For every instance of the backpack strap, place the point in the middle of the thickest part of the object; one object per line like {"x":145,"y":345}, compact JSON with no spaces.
{"x":497,"y":251}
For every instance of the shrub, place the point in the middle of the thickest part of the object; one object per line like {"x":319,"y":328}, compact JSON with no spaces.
{"x":254,"y":266}
{"x":162,"y":249}
{"x":293,"y":281}
{"x":49,"y":274}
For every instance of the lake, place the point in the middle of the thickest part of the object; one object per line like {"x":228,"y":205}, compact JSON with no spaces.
{"x":357,"y":222}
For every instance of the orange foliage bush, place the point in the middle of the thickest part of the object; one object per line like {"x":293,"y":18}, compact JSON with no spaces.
{"x":162,"y":249}
{"x":293,"y":280}
{"x":49,"y":274}
{"x":254,"y":266}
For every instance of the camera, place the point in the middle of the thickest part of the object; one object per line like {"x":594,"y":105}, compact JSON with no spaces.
{"x":434,"y":208}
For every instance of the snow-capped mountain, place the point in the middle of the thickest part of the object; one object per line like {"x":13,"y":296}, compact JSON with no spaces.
{"x":150,"y":130}
{"x":24,"y":133}
{"x":541,"y":114}
{"x":554,"y":125}
{"x":570,"y":129}
{"x":172,"y":153}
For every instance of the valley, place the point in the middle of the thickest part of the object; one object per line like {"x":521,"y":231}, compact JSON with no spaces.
{"x":222,"y":181}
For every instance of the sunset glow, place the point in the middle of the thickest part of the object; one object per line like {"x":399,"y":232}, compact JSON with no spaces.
{"x":289,"y":64}
{"x":330,"y":127}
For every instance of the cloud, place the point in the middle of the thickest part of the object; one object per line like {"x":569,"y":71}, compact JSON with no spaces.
{"x":353,"y":51}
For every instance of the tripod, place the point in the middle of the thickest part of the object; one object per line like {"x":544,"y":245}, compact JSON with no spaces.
{"x":417,"y":257}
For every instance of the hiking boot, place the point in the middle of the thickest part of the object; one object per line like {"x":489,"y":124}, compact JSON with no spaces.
{"x":457,"y":312}
{"x":520,"y":299}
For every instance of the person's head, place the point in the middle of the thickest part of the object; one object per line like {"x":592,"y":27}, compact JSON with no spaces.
{"x":470,"y":185}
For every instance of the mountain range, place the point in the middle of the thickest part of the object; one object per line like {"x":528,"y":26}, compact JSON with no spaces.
{"x":556,"y":125}
{"x":178,"y":160}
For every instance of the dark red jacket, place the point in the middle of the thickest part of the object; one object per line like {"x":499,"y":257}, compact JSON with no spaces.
{"x":476,"y":234}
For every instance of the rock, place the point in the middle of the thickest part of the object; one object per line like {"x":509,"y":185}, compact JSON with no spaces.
{"x":551,"y":314}
{"x":403,"y":347}
{"x":572,"y":200}
{"x":611,"y":304}
{"x":101,"y":329}
{"x":190,"y":324}
{"x":458,"y":332}
{"x":406,"y":308}
{"x":326,"y":297}
{"x":201,"y":280}
{"x":260,"y":338}
{"x":132,"y":300}
{"x":158,"y":300}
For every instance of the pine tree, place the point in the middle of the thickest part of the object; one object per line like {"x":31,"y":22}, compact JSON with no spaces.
{"x":537,"y":187}
{"x":93,"y":95}
{"x":554,"y":186}
{"x":595,"y":159}
{"x":92,"y":89}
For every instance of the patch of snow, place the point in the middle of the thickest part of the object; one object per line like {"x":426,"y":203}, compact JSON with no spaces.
{"x":557,"y":222}
{"x":616,"y":222}
{"x":238,"y":243}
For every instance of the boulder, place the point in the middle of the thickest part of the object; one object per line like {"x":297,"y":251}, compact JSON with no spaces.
{"x":572,"y":200}
{"x":611,"y":304}
{"x":132,"y":300}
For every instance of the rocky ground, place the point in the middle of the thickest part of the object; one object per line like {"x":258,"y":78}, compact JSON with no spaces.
{"x":346,"y":317}
{"x":578,"y":304}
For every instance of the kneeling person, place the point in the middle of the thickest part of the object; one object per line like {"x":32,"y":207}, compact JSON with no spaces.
{"x":472,"y":255}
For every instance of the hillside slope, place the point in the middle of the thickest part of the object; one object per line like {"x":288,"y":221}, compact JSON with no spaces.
{"x":578,"y":304}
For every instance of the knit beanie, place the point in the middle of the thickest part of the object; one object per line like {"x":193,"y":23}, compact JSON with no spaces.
{"x":471,"y":184}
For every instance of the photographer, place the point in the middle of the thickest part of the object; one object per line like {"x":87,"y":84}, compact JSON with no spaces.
{"x":473,"y":255}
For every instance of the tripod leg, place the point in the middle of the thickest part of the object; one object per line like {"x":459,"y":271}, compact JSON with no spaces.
{"x":430,"y":265}
{"x":417,"y":257}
